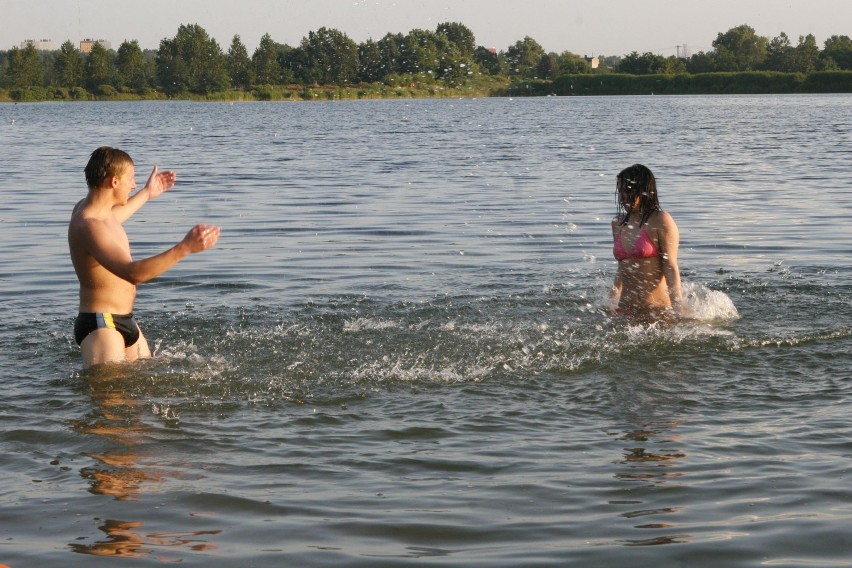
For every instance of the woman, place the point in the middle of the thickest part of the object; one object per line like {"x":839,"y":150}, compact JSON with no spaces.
{"x":645,"y":243}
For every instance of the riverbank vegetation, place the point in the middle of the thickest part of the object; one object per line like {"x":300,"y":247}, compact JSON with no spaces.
{"x":446,"y":62}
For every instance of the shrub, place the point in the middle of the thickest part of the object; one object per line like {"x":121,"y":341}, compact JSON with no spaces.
{"x":107,"y":91}
{"x":28,"y":94}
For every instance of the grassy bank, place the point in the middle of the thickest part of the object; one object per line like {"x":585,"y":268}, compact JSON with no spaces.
{"x":485,"y":86}
{"x":481,"y":87}
{"x":685,"y":84}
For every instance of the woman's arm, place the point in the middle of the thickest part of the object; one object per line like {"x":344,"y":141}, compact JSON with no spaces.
{"x":669,"y":241}
{"x":615,"y":291}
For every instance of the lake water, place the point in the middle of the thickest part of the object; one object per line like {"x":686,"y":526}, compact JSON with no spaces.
{"x":399,"y":354}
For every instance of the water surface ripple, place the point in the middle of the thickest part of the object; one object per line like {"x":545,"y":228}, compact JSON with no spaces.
{"x":399,"y":353}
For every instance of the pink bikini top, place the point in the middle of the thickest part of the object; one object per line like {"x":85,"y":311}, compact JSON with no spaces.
{"x":643,"y":246}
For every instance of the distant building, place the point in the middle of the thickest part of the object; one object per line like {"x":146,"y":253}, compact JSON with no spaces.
{"x":594,"y":62}
{"x":41,"y":45}
{"x":87,"y":44}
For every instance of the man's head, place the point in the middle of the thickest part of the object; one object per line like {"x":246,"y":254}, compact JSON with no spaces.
{"x":104,"y":164}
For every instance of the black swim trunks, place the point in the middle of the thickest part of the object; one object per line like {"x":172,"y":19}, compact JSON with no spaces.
{"x":87,"y":322}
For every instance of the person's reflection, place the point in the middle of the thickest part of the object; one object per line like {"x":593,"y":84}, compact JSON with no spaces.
{"x":117,"y":420}
{"x":124,"y":539}
{"x":651,"y":458}
{"x":651,"y":463}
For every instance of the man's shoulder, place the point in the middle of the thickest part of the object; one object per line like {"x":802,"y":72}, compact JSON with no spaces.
{"x":85,"y":211}
{"x":78,"y":207}
{"x":86,"y":221}
{"x":82,"y":216}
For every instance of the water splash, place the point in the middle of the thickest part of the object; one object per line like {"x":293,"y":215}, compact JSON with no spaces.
{"x":351,"y":347}
{"x":704,"y":304}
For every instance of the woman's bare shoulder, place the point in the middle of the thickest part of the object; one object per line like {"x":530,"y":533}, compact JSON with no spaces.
{"x":661,"y":220}
{"x":614,"y":223}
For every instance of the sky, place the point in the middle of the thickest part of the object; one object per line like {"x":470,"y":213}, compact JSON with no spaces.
{"x":583,"y":27}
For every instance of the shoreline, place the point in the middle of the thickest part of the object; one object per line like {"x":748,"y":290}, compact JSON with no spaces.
{"x":604,"y":84}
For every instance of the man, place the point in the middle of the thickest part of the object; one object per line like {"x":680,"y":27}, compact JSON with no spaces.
{"x":100,"y":251}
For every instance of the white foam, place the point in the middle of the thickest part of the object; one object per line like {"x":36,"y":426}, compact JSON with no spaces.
{"x":704,"y":304}
{"x":368,"y":324}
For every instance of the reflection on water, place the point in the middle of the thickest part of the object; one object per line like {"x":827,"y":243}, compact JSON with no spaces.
{"x":117,"y":419}
{"x":645,"y":463}
{"x":121,"y":470}
{"x":126,"y":539}
{"x":673,"y":539}
{"x":652,"y":459}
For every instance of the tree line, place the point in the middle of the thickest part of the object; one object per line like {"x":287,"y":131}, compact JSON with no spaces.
{"x":741,"y":49}
{"x":193,"y":63}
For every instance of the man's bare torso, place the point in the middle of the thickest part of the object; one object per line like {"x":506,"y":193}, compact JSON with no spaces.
{"x":100,"y":289}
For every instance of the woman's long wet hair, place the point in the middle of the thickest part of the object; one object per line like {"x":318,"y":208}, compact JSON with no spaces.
{"x":636,"y":181}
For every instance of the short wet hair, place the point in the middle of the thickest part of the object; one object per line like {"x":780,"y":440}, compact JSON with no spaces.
{"x":104,"y":163}
{"x":636,"y":181}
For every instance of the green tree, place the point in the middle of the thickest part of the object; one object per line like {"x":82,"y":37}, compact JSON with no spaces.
{"x":48,"y":62}
{"x":646,"y":64}
{"x":419,"y":52}
{"x":68,"y":66}
{"x":332,"y":58}
{"x":779,"y":54}
{"x":573,"y":64}
{"x":192,"y":62}
{"x":806,"y":55}
{"x":453,"y":66}
{"x":701,"y":62}
{"x":548,"y":66}
{"x":674,"y":65}
{"x":289,"y":59}
{"x":372,"y":67}
{"x":99,"y":68}
{"x":828,"y":64}
{"x":839,"y":49}
{"x":432,"y":54}
{"x":150,"y":58}
{"x":459,"y":35}
{"x":524,"y":56}
{"x":391,"y":47}
{"x":488,"y":60}
{"x":25,"y":67}
{"x":264,"y":60}
{"x":131,"y":66}
{"x":239,"y":64}
{"x":740,"y":49}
